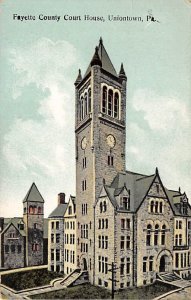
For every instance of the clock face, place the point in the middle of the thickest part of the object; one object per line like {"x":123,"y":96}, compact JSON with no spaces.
{"x":111,"y":140}
{"x":84,"y":143}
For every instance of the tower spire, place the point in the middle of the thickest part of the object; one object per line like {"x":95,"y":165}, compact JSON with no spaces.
{"x":79,"y":78}
{"x":96,"y":59}
{"x":122,"y":74}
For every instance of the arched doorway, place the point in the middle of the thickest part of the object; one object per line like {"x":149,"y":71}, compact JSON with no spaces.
{"x":84,"y":264}
{"x":164,"y":263}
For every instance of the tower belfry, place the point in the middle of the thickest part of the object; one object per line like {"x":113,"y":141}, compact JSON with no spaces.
{"x":100,"y":142}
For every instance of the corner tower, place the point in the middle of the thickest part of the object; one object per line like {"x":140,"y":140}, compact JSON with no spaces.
{"x":33,"y":217}
{"x":100,"y":127}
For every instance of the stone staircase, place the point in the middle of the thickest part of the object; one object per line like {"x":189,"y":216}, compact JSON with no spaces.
{"x":75,"y":278}
{"x":174,"y":279}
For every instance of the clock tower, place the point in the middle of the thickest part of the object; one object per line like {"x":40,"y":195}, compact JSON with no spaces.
{"x":100,"y":127}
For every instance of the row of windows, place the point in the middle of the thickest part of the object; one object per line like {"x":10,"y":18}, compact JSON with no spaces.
{"x":125,"y":224}
{"x":81,"y":225}
{"x":69,"y":225}
{"x":84,"y":231}
{"x":85,"y":104}
{"x":110,"y":102}
{"x":84,"y":209}
{"x":84,"y":247}
{"x":103,"y":242}
{"x":55,"y":225}
{"x":33,"y":210}
{"x":57,"y":258}
{"x":103,"y":264}
{"x":103,"y":224}
{"x":69,"y":239}
{"x":125,"y":266}
{"x":148,"y":264}
{"x":12,"y":248}
{"x":156,"y":207}
{"x":152,"y":235}
{"x":178,"y":240}
{"x":69,"y":256}
{"x":182,"y":260}
{"x":125,"y":242}
{"x":55,"y":238}
{"x":178,"y":224}
{"x":35,"y":247}
{"x":12,"y":235}
{"x":84,"y":185}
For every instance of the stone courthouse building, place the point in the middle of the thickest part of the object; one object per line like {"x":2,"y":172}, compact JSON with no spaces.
{"x":131,"y":220}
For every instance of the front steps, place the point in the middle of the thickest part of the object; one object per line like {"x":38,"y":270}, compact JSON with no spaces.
{"x":174,"y":279}
{"x":75,"y":278}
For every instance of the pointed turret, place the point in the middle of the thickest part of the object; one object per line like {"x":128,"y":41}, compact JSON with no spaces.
{"x":33,"y":195}
{"x":96,"y":61}
{"x":122,"y":74}
{"x":79,"y":78}
{"x":157,"y":171}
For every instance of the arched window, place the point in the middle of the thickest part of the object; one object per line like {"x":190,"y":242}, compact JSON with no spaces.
{"x":156,"y":207}
{"x":101,"y":207}
{"x":110,"y":103}
{"x":161,"y":207}
{"x":152,"y":206}
{"x":34,"y":210}
{"x":116,"y":105}
{"x":156,"y":234}
{"x":30,"y":209}
{"x":85,"y":104}
{"x":104,"y":100}
{"x":39,"y":210}
{"x":104,"y":206}
{"x":106,"y":223}
{"x":89,"y":101}
{"x":163,"y":235}
{"x":82,"y":108}
{"x":148,"y":237}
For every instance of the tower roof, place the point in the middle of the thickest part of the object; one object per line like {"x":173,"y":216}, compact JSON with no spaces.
{"x":105,"y":60}
{"x":33,"y":195}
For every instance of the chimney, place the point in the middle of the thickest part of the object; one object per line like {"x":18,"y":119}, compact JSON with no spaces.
{"x":61,"y":198}
{"x":1,"y":224}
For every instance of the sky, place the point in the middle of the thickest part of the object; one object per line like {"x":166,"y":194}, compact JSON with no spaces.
{"x":39,"y":63}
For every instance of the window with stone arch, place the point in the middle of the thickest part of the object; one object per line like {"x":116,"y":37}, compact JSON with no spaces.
{"x":30,"y":209}
{"x":156,"y":235}
{"x":110,"y":102}
{"x":85,"y":104}
{"x":89,"y":101}
{"x":148,"y":235}
{"x":163,"y":235}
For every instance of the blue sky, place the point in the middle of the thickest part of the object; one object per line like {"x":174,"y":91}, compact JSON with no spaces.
{"x":39,"y":64}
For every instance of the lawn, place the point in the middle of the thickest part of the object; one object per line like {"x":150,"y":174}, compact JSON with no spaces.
{"x":88,"y":291}
{"x":29,"y":279}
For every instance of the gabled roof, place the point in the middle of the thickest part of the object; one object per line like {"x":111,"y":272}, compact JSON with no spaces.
{"x":106,"y":62}
{"x":33,"y":195}
{"x":59,"y":211}
{"x":14,"y":221}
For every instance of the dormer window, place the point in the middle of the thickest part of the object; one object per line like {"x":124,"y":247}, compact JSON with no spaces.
{"x":125,"y":203}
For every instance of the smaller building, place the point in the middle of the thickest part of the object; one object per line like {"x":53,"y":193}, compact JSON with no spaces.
{"x":24,"y":240}
{"x":61,"y":236}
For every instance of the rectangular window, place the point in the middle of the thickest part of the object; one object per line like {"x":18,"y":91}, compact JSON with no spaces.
{"x":125,"y":203}
{"x":13,"y":248}
{"x":6,"y":248}
{"x":106,"y":242}
{"x":128,"y":265}
{"x":110,"y":160}
{"x":99,"y":263}
{"x":128,"y":223}
{"x":57,"y":225}
{"x":52,"y":238}
{"x":19,"y":248}
{"x":128,"y":242}
{"x":52,"y":225}
{"x":52,"y":254}
{"x":122,"y":266}
{"x":122,"y":223}
{"x":144,"y":264}
{"x":57,"y":238}
{"x":122,"y":242}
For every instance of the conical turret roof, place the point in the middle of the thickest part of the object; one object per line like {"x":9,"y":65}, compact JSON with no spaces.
{"x":105,"y":60}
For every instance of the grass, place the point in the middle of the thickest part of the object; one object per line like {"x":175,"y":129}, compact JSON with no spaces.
{"x":88,"y":291}
{"x":28,"y":279}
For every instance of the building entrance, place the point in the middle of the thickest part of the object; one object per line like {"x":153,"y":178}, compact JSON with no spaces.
{"x":163,"y":267}
{"x":85,"y":266}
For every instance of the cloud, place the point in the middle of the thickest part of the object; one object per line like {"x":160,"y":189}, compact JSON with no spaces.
{"x":161,"y":138}
{"x":42,"y":149}
{"x":161,"y":112}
